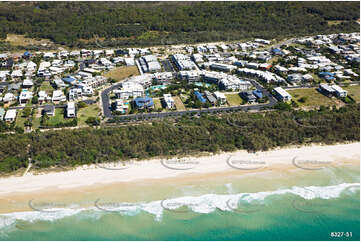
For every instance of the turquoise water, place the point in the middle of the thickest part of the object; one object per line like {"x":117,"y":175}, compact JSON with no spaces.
{"x":201,"y":84}
{"x":264,"y":207}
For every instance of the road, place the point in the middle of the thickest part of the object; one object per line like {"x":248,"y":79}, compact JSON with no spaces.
{"x":149,"y":116}
{"x":125,"y":118}
{"x":105,"y":99}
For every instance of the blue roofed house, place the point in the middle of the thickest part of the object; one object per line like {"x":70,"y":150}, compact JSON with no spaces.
{"x":200,"y":97}
{"x":27,"y":54}
{"x":328,"y":76}
{"x":69,"y":79}
{"x":277,"y":51}
{"x":143,"y":102}
{"x":258,"y":94}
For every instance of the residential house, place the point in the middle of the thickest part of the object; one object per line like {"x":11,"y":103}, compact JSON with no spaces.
{"x":248,"y":96}
{"x":339,"y":91}
{"x":120,"y":106}
{"x":10,"y":115}
{"x":200,"y":97}
{"x":27,"y":83}
{"x":143,"y":102}
{"x":43,"y":97}
{"x":9,"y":97}
{"x":58,"y":96}
{"x":75,"y":93}
{"x":326,"y":89}
{"x":25,"y":96}
{"x":169,"y":101}
{"x":49,"y":110}
{"x":221,"y":98}
{"x":2,"y":114}
{"x":70,"y":110}
{"x":210,"y":97}
{"x":282,"y":95}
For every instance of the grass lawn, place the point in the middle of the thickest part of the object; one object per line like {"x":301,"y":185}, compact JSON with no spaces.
{"x":85,"y":113}
{"x":313,"y":97}
{"x":334,"y":22}
{"x":57,"y":118}
{"x":234,"y":99}
{"x":179,"y":104}
{"x":19,"y":119}
{"x":354,"y":92}
{"x":46,"y":86}
{"x":122,"y":72}
{"x":157,"y":103}
{"x":16,"y":39}
{"x":37,"y":118}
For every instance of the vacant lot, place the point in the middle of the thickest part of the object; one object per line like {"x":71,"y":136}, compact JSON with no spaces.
{"x":312,"y":98}
{"x":15,"y":39}
{"x":354,"y":92}
{"x":157,"y":103}
{"x":20,"y":120}
{"x":57,"y":118}
{"x":179,"y":104}
{"x":46,"y":86}
{"x":234,"y":99}
{"x":85,"y":113}
{"x":122,"y":72}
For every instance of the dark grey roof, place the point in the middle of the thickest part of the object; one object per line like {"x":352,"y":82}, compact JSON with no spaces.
{"x":49,"y":108}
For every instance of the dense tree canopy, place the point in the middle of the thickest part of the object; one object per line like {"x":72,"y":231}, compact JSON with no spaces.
{"x":135,"y":23}
{"x":211,"y":133}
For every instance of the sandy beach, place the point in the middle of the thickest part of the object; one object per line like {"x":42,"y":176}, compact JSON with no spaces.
{"x":306,"y":158}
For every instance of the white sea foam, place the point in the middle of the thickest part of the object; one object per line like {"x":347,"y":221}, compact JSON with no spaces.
{"x":199,"y":204}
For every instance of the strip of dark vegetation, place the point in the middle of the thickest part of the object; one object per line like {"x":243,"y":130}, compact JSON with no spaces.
{"x":94,"y":24}
{"x":189,"y":135}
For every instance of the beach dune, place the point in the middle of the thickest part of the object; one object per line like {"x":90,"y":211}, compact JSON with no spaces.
{"x":305,"y":157}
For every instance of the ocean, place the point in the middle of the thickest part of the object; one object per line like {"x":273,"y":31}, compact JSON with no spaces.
{"x":269,"y":205}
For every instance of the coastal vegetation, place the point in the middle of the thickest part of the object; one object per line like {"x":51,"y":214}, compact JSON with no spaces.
{"x":94,"y":24}
{"x":188,"y":135}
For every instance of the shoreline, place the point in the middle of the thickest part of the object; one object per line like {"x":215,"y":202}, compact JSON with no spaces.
{"x":240,"y":162}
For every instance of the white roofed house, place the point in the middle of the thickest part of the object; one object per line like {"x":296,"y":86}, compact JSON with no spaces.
{"x":25,"y":96}
{"x":120,"y":106}
{"x":43,"y":97}
{"x":75,"y":93}
{"x":58,"y":96}
{"x":86,"y":90}
{"x":129,"y":89}
{"x":27,"y":83}
{"x":10,"y":115}
{"x":17,"y":74}
{"x":339,"y":91}
{"x":9,"y":97}
{"x":70,"y":110}
{"x":31,"y":66}
{"x":169,"y":101}
{"x":282,"y":95}
{"x":221,"y":98}
{"x":307,"y":77}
